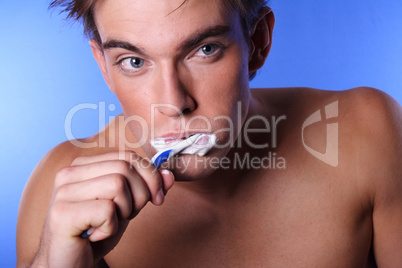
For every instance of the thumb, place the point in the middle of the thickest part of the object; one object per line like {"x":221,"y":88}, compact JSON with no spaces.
{"x":167,"y":178}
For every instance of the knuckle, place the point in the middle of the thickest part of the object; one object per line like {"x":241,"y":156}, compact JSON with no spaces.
{"x":109,"y":208}
{"x":110,"y":228}
{"x":62,"y":175}
{"x":142,"y":163}
{"x":118,"y":183}
{"x":123,"y":167}
{"x":57,"y":213}
{"x":132,"y":157}
{"x":127,"y":156}
{"x":61,"y":192}
{"x":141,"y":199}
{"x":78,"y":161}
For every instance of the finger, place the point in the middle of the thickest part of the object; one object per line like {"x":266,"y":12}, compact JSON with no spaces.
{"x":118,"y":155}
{"x":71,"y":219}
{"x":129,"y":192}
{"x":74,"y":174}
{"x":142,"y":166}
{"x":112,"y":187}
{"x":167,"y":178}
{"x":152,"y":178}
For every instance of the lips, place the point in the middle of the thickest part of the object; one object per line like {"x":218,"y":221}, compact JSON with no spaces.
{"x":198,"y":143}
{"x":169,"y":140}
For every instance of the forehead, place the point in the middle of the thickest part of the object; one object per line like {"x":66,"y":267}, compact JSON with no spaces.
{"x":159,"y":21}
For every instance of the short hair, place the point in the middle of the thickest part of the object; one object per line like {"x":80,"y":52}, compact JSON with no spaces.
{"x":82,"y":10}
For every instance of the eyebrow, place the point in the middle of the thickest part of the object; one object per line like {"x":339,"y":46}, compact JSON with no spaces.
{"x":114,"y":43}
{"x":218,"y":30}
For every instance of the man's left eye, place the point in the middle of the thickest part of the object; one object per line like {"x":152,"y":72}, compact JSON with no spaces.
{"x":208,"y":49}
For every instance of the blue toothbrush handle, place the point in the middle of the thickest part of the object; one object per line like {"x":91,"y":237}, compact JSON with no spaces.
{"x":85,"y":234}
{"x":161,"y":158}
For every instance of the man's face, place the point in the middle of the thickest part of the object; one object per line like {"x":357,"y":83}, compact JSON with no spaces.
{"x":182,"y":69}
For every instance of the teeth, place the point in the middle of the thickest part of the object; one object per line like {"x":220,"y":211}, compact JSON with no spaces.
{"x":166,"y":143}
{"x":199,"y":144}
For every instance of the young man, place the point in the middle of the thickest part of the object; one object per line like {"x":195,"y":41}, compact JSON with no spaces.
{"x":298,"y":178}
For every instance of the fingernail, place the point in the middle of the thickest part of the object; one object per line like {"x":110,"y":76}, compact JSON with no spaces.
{"x":160,"y":197}
{"x":165,"y":172}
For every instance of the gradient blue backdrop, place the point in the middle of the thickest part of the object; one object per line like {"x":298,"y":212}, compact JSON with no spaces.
{"x":47,"y":68}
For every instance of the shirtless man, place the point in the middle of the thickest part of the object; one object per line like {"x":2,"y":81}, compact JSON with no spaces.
{"x":331,"y":199}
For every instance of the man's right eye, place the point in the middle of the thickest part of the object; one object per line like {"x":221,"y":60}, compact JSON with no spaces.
{"x":131,"y":64}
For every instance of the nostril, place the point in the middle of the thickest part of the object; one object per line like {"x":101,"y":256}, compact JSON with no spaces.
{"x":176,"y":103}
{"x":186,"y":111}
{"x":192,"y":105}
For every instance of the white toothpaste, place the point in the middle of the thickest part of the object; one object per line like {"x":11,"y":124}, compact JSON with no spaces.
{"x":199,"y":144}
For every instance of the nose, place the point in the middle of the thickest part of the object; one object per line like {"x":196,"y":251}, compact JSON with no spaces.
{"x":173,"y":98}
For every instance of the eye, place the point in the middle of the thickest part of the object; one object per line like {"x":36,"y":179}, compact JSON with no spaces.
{"x":131,"y":64}
{"x":208,"y":49}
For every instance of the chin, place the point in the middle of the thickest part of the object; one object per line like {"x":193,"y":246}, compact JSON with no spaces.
{"x":191,"y":167}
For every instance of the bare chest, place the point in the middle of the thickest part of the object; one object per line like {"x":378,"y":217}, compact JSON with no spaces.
{"x":286,"y":222}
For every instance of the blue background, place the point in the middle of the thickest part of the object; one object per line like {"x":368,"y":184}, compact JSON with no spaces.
{"x":47,"y":68}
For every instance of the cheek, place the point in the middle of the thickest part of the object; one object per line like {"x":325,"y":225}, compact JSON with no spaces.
{"x":130,"y":94}
{"x":225,"y":83}
{"x":133,"y":98}
{"x":135,"y":103}
{"x":224,"y":93}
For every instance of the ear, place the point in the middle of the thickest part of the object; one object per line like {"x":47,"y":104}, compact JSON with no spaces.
{"x":261,"y":39}
{"x":100,"y":59}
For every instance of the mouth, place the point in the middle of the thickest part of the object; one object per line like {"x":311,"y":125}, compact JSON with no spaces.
{"x":198,"y":143}
{"x":170,"y":140}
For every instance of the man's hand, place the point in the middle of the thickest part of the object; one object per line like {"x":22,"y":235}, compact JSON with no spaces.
{"x":101,"y":193}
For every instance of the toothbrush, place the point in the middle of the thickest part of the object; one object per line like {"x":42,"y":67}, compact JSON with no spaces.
{"x":164,"y":155}
{"x":158,"y":160}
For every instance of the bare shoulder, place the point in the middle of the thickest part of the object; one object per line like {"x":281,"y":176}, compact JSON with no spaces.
{"x":373,"y":105}
{"x":370,"y":122}
{"x":366,"y":110}
{"x":374,"y":121}
{"x":368,"y":145}
{"x":370,"y":134}
{"x":375,"y":125}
